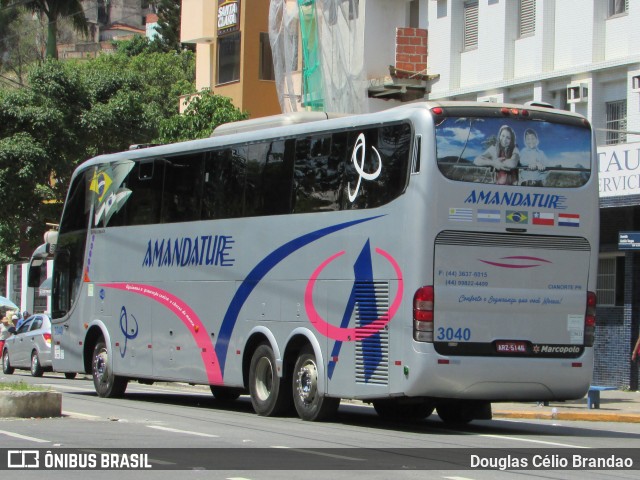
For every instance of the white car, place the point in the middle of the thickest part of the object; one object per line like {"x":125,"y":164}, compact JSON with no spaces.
{"x":29,"y":347}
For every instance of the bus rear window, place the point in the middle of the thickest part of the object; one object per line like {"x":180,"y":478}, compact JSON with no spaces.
{"x":508,"y":151}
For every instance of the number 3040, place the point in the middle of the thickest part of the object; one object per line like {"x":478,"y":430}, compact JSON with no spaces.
{"x":450,"y":334}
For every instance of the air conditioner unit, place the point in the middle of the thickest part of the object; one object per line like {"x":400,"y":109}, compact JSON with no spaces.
{"x":490,"y":99}
{"x":577,"y":93}
{"x":635,"y":83}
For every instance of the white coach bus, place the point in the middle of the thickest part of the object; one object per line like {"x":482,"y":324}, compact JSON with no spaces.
{"x":432,"y":256}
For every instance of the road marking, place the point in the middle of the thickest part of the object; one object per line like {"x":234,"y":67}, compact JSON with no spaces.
{"x":322,"y":454}
{"x":24,"y":437}
{"x":186,"y":432}
{"x":65,"y":387}
{"x":504,"y":437}
{"x":458,"y":478}
{"x":84,"y":416}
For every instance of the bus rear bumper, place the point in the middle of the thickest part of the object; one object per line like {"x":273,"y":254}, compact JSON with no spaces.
{"x":502,"y":379}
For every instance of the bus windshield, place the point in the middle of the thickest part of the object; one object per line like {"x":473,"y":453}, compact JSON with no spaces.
{"x":509,"y":151}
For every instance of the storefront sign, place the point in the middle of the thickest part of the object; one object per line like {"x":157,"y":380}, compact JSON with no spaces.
{"x":629,"y":241}
{"x":619,"y":170}
{"x":228,"y":16}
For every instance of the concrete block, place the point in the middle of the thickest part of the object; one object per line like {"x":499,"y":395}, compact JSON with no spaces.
{"x":27,"y":404}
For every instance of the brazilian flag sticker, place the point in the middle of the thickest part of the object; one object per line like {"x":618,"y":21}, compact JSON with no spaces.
{"x":514,"y":216}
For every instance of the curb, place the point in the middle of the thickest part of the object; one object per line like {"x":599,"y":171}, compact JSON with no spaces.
{"x":576,"y":416}
{"x":29,"y":404}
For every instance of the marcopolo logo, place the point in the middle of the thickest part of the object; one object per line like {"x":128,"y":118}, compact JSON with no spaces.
{"x":557,"y":349}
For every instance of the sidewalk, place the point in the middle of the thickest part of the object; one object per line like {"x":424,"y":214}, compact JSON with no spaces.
{"x":615,"y":406}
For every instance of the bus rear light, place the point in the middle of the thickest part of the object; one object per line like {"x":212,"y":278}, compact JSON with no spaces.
{"x":423,"y":314}
{"x":590,"y":320}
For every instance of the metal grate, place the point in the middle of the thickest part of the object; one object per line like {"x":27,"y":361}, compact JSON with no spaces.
{"x":372,"y":352}
{"x":616,"y":122}
{"x":506,"y":240}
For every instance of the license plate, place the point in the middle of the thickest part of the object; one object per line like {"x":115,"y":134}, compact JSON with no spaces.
{"x":511,"y":347}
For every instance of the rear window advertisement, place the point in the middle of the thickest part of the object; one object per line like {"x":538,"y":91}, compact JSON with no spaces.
{"x":513,"y":152}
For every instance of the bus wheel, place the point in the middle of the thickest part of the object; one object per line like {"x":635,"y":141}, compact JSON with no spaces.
{"x":455,"y":413}
{"x":107,"y":384}
{"x":309,"y":403}
{"x":225,"y":394}
{"x":395,"y":410}
{"x":270,"y":394}
{"x":6,"y":365}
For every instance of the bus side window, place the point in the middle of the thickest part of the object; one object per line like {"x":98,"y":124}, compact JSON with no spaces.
{"x":224,"y":179}
{"x":145,"y":182}
{"x":392,"y":155}
{"x":317,"y":174}
{"x":269,"y":178}
{"x":182,"y":193}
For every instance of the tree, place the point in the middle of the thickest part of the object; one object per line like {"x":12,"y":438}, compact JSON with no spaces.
{"x":204,"y":112}
{"x":54,"y":10}
{"x":168,"y":25}
{"x":18,"y":45}
{"x":71,"y":111}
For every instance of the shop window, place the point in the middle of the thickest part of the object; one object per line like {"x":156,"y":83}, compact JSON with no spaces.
{"x":610,"y":285}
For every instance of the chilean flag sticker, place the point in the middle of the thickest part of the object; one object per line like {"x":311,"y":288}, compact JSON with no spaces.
{"x":543,"y":218}
{"x":568,"y":220}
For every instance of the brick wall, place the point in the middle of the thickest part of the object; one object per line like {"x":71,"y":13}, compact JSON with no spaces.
{"x":411,"y":51}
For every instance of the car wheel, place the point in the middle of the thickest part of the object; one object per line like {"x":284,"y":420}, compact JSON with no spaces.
{"x":6,"y":365}
{"x":70,"y":375}
{"x":36,"y":368}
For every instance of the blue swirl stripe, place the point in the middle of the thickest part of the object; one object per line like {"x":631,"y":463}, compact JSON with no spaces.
{"x":259,"y":272}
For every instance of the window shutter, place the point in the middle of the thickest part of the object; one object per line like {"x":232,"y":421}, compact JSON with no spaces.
{"x":470,"y":25}
{"x":527,"y":17}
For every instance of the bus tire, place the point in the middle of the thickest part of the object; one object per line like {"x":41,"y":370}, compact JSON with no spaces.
{"x":107,"y":384}
{"x":270,"y":394}
{"x":225,"y":394}
{"x":7,"y":369}
{"x":309,"y":403}
{"x":455,"y":412}
{"x":36,"y":368}
{"x":392,"y":409}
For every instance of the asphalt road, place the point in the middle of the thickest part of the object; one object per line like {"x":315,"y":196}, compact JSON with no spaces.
{"x":194,"y":432}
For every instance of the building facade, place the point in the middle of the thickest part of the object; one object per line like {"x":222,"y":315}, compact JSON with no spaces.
{"x":578,"y":55}
{"x":233,"y":53}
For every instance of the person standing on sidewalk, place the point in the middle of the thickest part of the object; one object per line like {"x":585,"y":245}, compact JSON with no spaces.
{"x":636,"y":350}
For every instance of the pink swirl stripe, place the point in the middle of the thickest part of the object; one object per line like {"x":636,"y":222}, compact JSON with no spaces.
{"x":517,"y":265}
{"x":188,"y":317}
{"x":351,"y":334}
